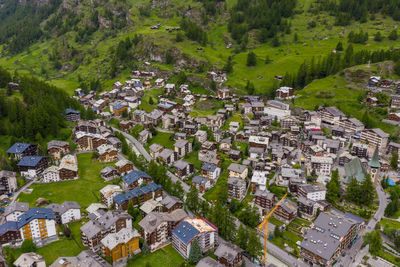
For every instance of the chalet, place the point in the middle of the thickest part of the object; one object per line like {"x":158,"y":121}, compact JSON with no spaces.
{"x":168,"y":121}
{"x":264,"y":199}
{"x":169,"y":88}
{"x":135,"y":179}
{"x":223,"y":93}
{"x":89,"y":141}
{"x":124,"y":166}
{"x":155,"y":150}
{"x":107,"y":153}
{"x":154,"y":117}
{"x":67,"y":212}
{"x":150,"y":205}
{"x":126,"y":125}
{"x":108,"y":193}
{"x":288,"y":121}
{"x":395,"y":102}
{"x":237,"y":170}
{"x":287,"y":210}
{"x":372,"y":101}
{"x":190,"y":129}
{"x":109,"y":173}
{"x":50,"y":174}
{"x":209,"y":157}
{"x":258,"y":141}
{"x":235,"y":155}
{"x":225,"y":145}
{"x":321,"y":165}
{"x":9,"y":233}
{"x":229,"y":255}
{"x":201,"y":136}
{"x":20,"y":150}
{"x":120,"y":245}
{"x":211,"y":171}
{"x":201,"y":183}
{"x":183,"y":147}
{"x":14,"y":210}
{"x":395,"y":116}
{"x":159,"y":82}
{"x":138,"y":195}
{"x":183,"y":168}
{"x":259,"y":181}
{"x":157,"y":227}
{"x":234,"y":126}
{"x":284,"y":93}
{"x":32,"y":166}
{"x":72,"y":115}
{"x":171,"y":203}
{"x":208,"y":145}
{"x":94,"y":231}
{"x":8,"y":182}
{"x":57,"y":149}
{"x":68,"y":168}
{"x":118,"y":109}
{"x":236,"y":188}
{"x":168,"y":156}
{"x":307,"y":207}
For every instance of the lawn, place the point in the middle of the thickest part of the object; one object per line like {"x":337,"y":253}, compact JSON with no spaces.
{"x":275,"y":221}
{"x":235,"y":118}
{"x":150,"y":93}
{"x":205,"y":108}
{"x":165,"y":257}
{"x":193,"y":158}
{"x":390,"y":223}
{"x":84,"y":190}
{"x":63,"y":247}
{"x":221,"y":184}
{"x":163,"y":139}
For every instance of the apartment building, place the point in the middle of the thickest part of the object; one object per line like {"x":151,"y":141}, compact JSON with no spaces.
{"x":37,"y":224}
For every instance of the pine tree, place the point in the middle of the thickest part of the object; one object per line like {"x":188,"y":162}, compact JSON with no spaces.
{"x":339,"y":46}
{"x":352,"y":191}
{"x":374,"y":240}
{"x":254,"y":246}
{"x":195,"y":253}
{"x":192,"y":199}
{"x":251,"y":59}
{"x":367,"y":190}
{"x":378,"y":37}
{"x":394,"y":160}
{"x":242,"y":237}
{"x":333,"y":188}
{"x":393,"y":35}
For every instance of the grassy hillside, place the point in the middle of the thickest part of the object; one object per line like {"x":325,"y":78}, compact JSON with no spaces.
{"x":94,"y":56}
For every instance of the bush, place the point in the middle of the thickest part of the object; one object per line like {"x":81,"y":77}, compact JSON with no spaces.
{"x":28,"y":246}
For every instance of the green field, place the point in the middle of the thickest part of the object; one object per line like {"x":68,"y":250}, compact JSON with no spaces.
{"x":163,"y":139}
{"x":167,"y":256}
{"x":84,"y":190}
{"x":64,"y":247}
{"x":221,"y":184}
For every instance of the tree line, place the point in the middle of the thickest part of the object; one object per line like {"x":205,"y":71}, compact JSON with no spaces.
{"x":193,"y":31}
{"x":267,"y":16}
{"x":346,"y":11}
{"x":334,"y":63}
{"x":40,"y":112}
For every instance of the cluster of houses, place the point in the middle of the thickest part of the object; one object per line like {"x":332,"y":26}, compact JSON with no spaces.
{"x":270,"y":145}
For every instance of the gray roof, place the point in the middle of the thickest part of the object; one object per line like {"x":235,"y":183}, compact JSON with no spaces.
{"x":227,"y":251}
{"x":289,"y":206}
{"x":91,"y":228}
{"x":170,"y":201}
{"x":237,"y":181}
{"x":323,"y":238}
{"x":181,"y":164}
{"x":88,"y":258}
{"x":265,"y":194}
{"x":56,"y":143}
{"x":154,"y":219}
{"x":62,"y":208}
{"x":16,"y":206}
{"x":237,"y":167}
{"x":335,"y":111}
{"x":310,"y":188}
{"x":200,"y":180}
{"x":209,"y":262}
{"x":379,"y":132}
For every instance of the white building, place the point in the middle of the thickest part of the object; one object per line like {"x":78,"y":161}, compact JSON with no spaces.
{"x":14,"y":210}
{"x":313,"y":192}
{"x":37,"y":224}
{"x":321,"y":165}
{"x":51,"y":174}
{"x":108,"y":193}
{"x":67,"y":212}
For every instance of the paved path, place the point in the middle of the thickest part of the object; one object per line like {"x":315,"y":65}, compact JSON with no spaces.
{"x":16,"y":194}
{"x":139,"y":147}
